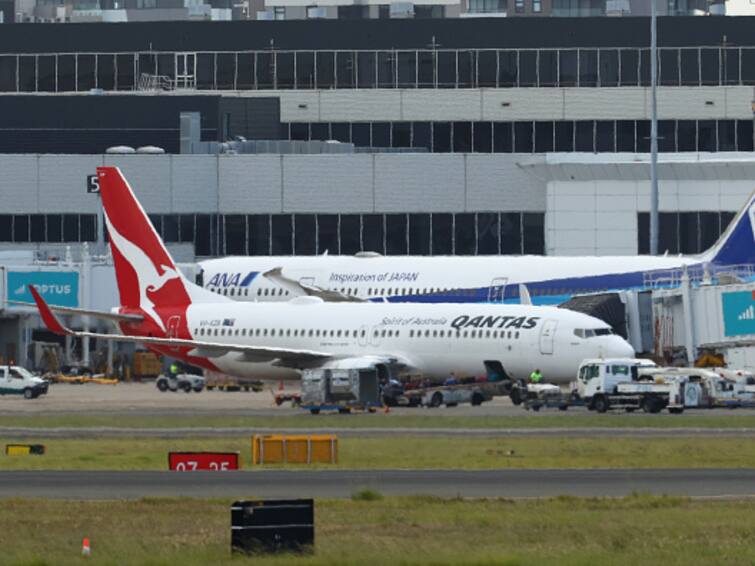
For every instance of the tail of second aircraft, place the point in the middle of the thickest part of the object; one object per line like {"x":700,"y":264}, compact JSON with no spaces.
{"x":146,"y":274}
{"x":736,"y":246}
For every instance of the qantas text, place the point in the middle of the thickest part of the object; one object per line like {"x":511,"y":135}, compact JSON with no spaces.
{"x":523,"y":322}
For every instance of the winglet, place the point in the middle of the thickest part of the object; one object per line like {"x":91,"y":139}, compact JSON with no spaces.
{"x":51,"y":321}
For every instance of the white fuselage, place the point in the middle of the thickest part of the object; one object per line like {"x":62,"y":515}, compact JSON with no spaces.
{"x":428,"y":339}
{"x":549,"y":279}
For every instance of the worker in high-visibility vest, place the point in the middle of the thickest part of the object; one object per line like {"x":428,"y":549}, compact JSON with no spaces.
{"x":173,"y":369}
{"x":536,"y":376}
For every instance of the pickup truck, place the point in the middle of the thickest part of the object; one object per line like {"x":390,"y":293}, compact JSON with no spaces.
{"x":16,"y":380}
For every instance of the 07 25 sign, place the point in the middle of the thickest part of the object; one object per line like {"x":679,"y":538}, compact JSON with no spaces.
{"x":203,"y":461}
{"x":93,"y":184}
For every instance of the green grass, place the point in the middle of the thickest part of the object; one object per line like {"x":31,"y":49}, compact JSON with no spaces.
{"x":412,"y":452}
{"x":422,"y":419}
{"x":417,"y":530}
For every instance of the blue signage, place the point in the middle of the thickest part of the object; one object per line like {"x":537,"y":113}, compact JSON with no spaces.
{"x":59,"y":288}
{"x":739,"y":312}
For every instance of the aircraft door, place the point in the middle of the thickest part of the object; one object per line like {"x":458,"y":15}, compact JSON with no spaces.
{"x":186,"y":70}
{"x":497,"y":289}
{"x":173,"y":323}
{"x":547,"y":335}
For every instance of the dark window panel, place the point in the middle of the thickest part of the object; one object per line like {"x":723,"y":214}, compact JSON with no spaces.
{"x":37,"y":226}
{"x":730,"y":62}
{"x":446,"y":69}
{"x":88,"y":227}
{"x":373,"y":233}
{"x":748,"y":66}
{"x":462,"y":137}
{"x":203,"y":235}
{"x":395,"y":234}
{"x":299,"y":131}
{"x":305,"y":234}
{"x":584,"y":137}
{"x":643,"y":233}
{"x":245,"y":72}
{"x":340,"y":131}
{"x":533,"y":232}
{"x":467,"y":62}
{"x":235,"y":234}
{"x":688,"y":233}
{"x":265,"y":69}
{"x":710,"y":229}
{"x":668,"y":232}
{"x":205,"y":71}
{"x":320,"y":131}
{"x":426,"y":69}
{"x":686,"y":135}
{"x":567,"y":71}
{"x":66,"y":73}
{"x":46,"y":73}
{"x":543,"y":137}
{"x":407,"y":69}
{"x":419,"y":234}
{"x":588,"y":67}
{"x":157,"y":222}
{"x":511,"y":233}
{"x":85,"y":77}
{"x":54,"y":228}
{"x":706,"y":135}
{"x":523,"y":137}
{"x":216,"y":233}
{"x":381,"y":134}
{"x":327,"y":234}
{"x":366,"y":69}
{"x":284,"y":70}
{"x":8,"y":73}
{"x":401,"y":136}
{"x":27,"y":73}
{"x":386,"y":69}
{"x":727,"y":135}
{"x":528,"y":68}
{"x":483,"y":137}
{"x":503,"y":137}
{"x":507,"y":68}
{"x":282,"y":234}
{"x":166,"y":64}
{"x":422,"y":135}
{"x":442,"y":237}
{"x":147,"y":63}
{"x":564,"y":136}
{"x":548,"y":67}
{"x":690,"y":67}
{"x":360,"y":134}
{"x":744,"y":135}
{"x":465,"y":234}
{"x":259,"y":233}
{"x":625,"y":135}
{"x":124,"y":72}
{"x":667,"y":135}
{"x":441,"y":137}
{"x":186,"y":225}
{"x":21,"y":228}
{"x":70,"y":228}
{"x":643,"y":136}
{"x":345,"y":69}
{"x":6,"y":227}
{"x":644,"y":67}
{"x":710,"y":66}
{"x":488,"y":233}
{"x":605,"y":136}
{"x":486,"y":68}
{"x":669,"y":67}
{"x":170,"y":228}
{"x":350,"y":229}
{"x":726,"y":219}
{"x":609,"y":67}
{"x":629,"y":67}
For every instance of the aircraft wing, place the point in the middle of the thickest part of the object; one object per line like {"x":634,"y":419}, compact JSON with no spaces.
{"x":296,"y":288}
{"x":287,"y":357}
{"x":116,"y":317}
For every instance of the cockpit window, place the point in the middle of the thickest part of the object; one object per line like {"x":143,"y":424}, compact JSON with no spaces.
{"x":590,"y":332}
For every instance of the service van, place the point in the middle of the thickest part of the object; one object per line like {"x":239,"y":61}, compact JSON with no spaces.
{"x":15,"y":380}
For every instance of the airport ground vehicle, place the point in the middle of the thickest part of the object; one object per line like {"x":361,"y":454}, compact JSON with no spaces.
{"x":224,"y":382}
{"x":340,"y":389}
{"x":180,"y":382}
{"x":16,"y":380}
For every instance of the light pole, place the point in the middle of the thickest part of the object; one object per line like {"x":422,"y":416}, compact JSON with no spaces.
{"x":653,"y":131}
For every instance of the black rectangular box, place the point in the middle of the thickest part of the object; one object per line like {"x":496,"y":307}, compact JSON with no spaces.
{"x":277,"y":525}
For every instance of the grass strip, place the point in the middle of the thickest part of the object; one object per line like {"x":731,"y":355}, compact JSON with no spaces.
{"x":638,"y":529}
{"x":410,"y":452}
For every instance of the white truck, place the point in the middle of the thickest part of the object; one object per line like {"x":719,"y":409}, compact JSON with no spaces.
{"x":16,"y":380}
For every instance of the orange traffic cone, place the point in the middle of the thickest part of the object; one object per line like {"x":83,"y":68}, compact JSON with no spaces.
{"x":387,"y":409}
{"x":280,"y":385}
{"x":86,"y":550}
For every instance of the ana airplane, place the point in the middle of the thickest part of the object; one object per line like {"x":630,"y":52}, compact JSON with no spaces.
{"x":161,"y":309}
{"x":548,"y":279}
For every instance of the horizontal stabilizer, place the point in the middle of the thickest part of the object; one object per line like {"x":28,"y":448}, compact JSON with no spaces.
{"x":116,"y":317}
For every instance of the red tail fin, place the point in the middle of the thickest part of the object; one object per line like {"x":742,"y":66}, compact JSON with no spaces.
{"x":147,"y":276}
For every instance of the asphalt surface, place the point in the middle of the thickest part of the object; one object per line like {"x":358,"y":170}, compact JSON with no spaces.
{"x":337,"y":484}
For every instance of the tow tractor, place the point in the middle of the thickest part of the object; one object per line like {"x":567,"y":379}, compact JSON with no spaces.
{"x":180,"y":382}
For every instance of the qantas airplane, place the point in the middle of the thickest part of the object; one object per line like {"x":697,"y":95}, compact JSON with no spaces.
{"x":161,"y":309}
{"x":472,"y":279}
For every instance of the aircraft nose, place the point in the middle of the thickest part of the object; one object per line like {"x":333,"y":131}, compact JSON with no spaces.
{"x":620,"y":348}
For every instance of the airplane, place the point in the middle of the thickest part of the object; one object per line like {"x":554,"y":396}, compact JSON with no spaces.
{"x":370,"y":276}
{"x":170,"y":315}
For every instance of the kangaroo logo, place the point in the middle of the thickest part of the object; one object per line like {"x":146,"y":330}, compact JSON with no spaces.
{"x":150,"y":280}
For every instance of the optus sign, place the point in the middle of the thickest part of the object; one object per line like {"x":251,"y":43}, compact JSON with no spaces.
{"x":203,"y":461}
{"x":59,"y":288}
